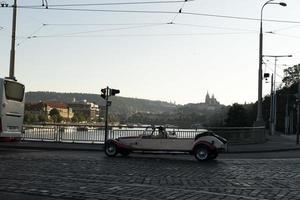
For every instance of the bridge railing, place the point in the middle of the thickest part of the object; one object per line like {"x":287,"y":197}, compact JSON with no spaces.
{"x":89,"y":133}
{"x":95,"y":134}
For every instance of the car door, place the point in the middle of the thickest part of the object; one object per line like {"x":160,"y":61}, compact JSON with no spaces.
{"x":149,"y":144}
{"x":177,"y":144}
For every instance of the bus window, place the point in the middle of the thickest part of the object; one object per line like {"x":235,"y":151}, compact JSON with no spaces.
{"x":14,"y":91}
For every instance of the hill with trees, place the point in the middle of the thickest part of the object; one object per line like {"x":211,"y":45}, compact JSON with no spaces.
{"x":120,"y":105}
{"x":133,"y":110}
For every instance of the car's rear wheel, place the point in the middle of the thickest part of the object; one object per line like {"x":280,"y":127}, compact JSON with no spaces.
{"x":110,"y":149}
{"x":201,"y":153}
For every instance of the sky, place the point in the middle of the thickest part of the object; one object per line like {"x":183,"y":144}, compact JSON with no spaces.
{"x":165,"y":55}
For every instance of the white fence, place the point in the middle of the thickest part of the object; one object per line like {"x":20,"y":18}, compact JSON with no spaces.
{"x":90,"y":134}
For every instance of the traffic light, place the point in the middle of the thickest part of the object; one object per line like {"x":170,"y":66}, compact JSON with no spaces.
{"x":266,"y":75}
{"x":113,"y":92}
{"x":103,"y":93}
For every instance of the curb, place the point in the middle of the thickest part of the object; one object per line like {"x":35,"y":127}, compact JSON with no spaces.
{"x":99,"y":147}
{"x":67,"y":147}
{"x":264,"y":151}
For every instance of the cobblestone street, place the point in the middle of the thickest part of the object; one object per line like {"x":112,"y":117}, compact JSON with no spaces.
{"x":35,"y":174}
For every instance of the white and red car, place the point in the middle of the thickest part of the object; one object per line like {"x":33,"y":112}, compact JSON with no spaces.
{"x":204,"y":146}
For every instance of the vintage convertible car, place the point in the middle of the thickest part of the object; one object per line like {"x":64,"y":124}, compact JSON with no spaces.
{"x":204,"y":146}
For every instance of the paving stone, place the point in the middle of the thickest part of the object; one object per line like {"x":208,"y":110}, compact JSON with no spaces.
{"x":90,"y":175}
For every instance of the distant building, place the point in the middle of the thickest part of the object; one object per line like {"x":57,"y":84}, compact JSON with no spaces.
{"x":89,"y":110}
{"x":211,"y":103}
{"x":211,"y":100}
{"x":44,"y":108}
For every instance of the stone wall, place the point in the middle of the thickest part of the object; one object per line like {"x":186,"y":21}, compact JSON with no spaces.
{"x":241,"y":135}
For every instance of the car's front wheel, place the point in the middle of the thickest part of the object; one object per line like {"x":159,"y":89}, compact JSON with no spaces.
{"x":110,"y":149}
{"x":201,"y":153}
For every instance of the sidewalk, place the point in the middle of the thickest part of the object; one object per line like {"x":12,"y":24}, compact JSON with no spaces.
{"x":273,"y":144}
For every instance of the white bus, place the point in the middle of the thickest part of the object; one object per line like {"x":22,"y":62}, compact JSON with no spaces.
{"x":12,"y":100}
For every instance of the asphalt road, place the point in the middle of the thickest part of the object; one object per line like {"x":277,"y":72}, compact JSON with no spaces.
{"x":41,"y":174}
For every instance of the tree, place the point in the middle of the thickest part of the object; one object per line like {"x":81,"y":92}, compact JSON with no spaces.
{"x":30,"y":118}
{"x":74,"y":118}
{"x":237,"y":116}
{"x":55,"y":116}
{"x":291,"y":75}
{"x":42,"y":118}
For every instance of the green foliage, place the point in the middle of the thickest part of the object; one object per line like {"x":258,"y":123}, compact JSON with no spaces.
{"x":30,"y":118}
{"x":286,"y":98}
{"x":216,"y":118}
{"x":74,"y":119}
{"x":291,"y":75}
{"x":237,"y":116}
{"x":55,"y":116}
{"x":180,"y":120}
{"x":79,"y":117}
{"x":42,"y":118}
{"x":120,"y":105}
{"x":187,"y":116}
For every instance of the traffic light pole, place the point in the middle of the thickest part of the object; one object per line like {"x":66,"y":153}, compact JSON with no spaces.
{"x":106,"y":114}
{"x":105,"y":93}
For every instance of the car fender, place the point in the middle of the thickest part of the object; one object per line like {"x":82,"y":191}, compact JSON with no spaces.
{"x":210,"y":146}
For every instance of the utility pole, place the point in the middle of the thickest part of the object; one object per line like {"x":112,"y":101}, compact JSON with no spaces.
{"x":273,"y":93}
{"x":271,"y":107}
{"x":298,"y":109}
{"x":286,"y":122}
{"x":13,"y":43}
{"x":106,"y":114}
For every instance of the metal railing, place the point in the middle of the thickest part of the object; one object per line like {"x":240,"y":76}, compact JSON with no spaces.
{"x":95,"y":134}
{"x":89,"y":133}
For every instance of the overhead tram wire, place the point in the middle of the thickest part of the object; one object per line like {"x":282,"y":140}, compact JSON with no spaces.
{"x":138,"y":35}
{"x":176,"y":24}
{"x":104,"y":24}
{"x":279,"y":76}
{"x":150,"y":25}
{"x":30,"y":36}
{"x":179,"y":11}
{"x":214,"y":27}
{"x":102,"y":30}
{"x":286,"y":28}
{"x":272,"y":70}
{"x":283,"y":35}
{"x":166,"y":12}
{"x":109,"y":4}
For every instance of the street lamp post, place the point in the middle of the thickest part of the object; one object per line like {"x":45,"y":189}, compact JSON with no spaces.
{"x":259,"y":118}
{"x":13,"y":37}
{"x":13,"y":40}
